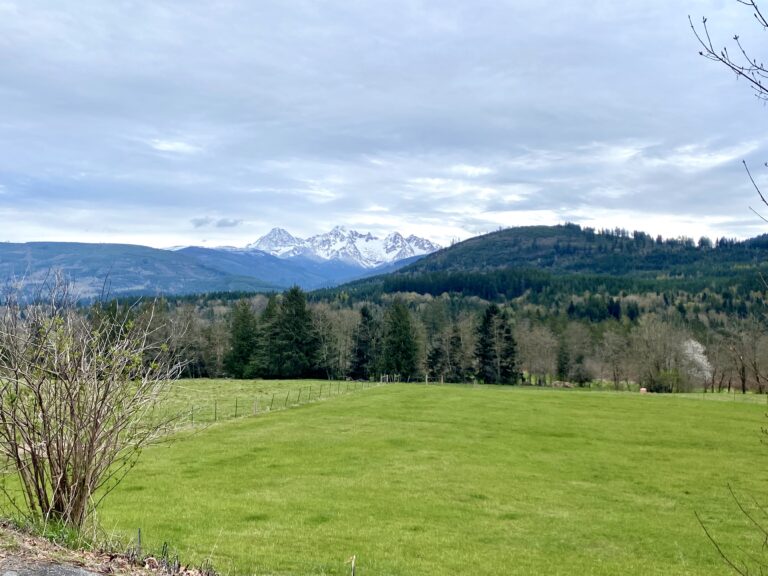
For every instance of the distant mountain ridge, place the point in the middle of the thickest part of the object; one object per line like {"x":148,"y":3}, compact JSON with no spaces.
{"x":282,"y":261}
{"x":350,"y":246}
{"x":507,"y":262}
{"x":117,"y":269}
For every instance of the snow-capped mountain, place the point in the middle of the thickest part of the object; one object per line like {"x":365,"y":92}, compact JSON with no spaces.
{"x":279,"y":242}
{"x":349,"y":246}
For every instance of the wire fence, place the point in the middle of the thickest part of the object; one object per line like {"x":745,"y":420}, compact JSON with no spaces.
{"x":242,"y":405}
{"x":734,"y":395}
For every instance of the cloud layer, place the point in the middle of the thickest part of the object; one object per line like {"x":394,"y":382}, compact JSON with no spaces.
{"x":190,"y":122}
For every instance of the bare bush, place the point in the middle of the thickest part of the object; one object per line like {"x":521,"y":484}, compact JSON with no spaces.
{"x":78,"y":393}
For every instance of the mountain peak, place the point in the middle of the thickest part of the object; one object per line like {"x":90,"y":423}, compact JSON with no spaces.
{"x":279,"y":234}
{"x":422,"y":245}
{"x":351,"y":246}
{"x":277,"y":241}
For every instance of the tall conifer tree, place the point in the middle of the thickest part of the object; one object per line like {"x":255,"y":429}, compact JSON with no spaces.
{"x":457,"y":365}
{"x":243,"y":340}
{"x":295,"y":347}
{"x":364,"y":354}
{"x":496,"y":350}
{"x":401,"y":352}
{"x":487,"y":353}
{"x":263,"y":362}
{"x":438,"y":359}
{"x":509,"y":373}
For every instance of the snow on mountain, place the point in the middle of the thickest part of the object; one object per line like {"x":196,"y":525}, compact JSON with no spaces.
{"x":350,"y":246}
{"x":278,"y":242}
{"x":421,"y":245}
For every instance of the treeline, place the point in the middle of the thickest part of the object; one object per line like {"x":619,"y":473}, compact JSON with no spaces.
{"x":496,"y":285}
{"x":668,"y":341}
{"x":594,"y":298}
{"x":286,"y":338}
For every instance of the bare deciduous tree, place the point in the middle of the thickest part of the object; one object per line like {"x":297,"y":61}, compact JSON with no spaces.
{"x":538,"y":350}
{"x":660,"y":363}
{"x":78,"y":394}
{"x":614,"y":353}
{"x":739,"y":61}
{"x":742,"y":63}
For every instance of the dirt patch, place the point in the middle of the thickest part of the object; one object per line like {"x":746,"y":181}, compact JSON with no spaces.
{"x":23,"y":568}
{"x":25,"y":555}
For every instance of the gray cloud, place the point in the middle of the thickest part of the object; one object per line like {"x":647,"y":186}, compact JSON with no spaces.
{"x":126,"y":122}
{"x":202,"y":222}
{"x":227,"y":223}
{"x":207,"y":221}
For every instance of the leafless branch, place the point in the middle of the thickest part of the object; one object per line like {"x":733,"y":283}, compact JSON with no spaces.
{"x":744,"y":65}
{"x":738,"y":569}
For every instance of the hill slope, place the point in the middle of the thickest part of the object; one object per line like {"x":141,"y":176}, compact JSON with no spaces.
{"x":121,"y":268}
{"x":569,"y":248}
{"x":567,"y":258}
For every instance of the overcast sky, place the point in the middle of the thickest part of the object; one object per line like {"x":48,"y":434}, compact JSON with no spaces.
{"x":168,"y":122}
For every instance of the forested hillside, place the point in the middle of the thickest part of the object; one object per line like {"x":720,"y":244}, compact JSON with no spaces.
{"x":571,"y":248}
{"x":549,"y":261}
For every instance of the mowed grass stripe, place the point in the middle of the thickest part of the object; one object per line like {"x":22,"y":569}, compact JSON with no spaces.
{"x":439,"y":480}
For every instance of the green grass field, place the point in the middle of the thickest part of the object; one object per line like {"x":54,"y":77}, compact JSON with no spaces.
{"x":440,"y":480}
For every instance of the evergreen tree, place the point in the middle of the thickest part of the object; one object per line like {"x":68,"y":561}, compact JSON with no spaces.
{"x":295,"y":344}
{"x":364,"y":354}
{"x":496,"y":350}
{"x":487,"y":353}
{"x":563,"y":360}
{"x":400,"y":345}
{"x":242,"y":340}
{"x":457,"y":369}
{"x":263,"y":362}
{"x":509,"y":372}
{"x":614,"y":308}
{"x":633,"y":311}
{"x":438,"y":360}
